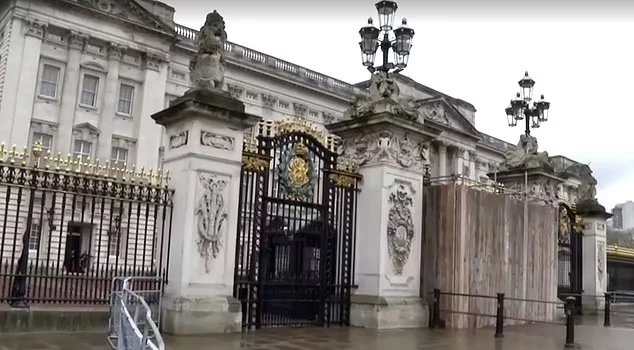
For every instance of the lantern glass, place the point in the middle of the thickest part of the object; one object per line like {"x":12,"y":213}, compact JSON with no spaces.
{"x":526,"y":85}
{"x":542,"y":108}
{"x":535,"y":119}
{"x":386,"y":10}
{"x":369,"y":38}
{"x":510,"y":116}
{"x":518,"y":106}
{"x":400,"y":61}
{"x":403,"y":42}
{"x":367,"y":59}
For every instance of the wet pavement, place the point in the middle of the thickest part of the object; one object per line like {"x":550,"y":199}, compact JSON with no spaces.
{"x":541,"y":337}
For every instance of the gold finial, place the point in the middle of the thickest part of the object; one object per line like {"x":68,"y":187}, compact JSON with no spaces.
{"x":167,"y":178}
{"x":150,"y":177}
{"x":48,"y":159}
{"x":68,"y":163}
{"x":141,"y":175}
{"x":24,"y":156}
{"x":37,"y":153}
{"x":96,"y":169}
{"x":3,"y":152}
{"x":13,"y":154}
{"x":58,"y":161}
{"x":77,"y":164}
{"x":87,"y":166}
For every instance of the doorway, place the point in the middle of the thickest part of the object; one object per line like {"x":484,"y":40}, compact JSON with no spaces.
{"x":77,"y":253}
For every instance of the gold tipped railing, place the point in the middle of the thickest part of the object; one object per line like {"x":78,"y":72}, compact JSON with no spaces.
{"x":79,"y":166}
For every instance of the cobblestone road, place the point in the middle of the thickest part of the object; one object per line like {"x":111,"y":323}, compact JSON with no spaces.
{"x":541,"y":337}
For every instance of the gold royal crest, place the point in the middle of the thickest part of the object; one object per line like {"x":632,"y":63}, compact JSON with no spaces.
{"x":298,"y":168}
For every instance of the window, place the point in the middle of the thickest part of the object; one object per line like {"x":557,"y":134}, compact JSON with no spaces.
{"x":119,"y":156}
{"x":34,"y":236}
{"x":82,"y":149}
{"x":113,"y":244}
{"x":89,"y":91}
{"x":45,"y":140}
{"x":126,"y":95}
{"x":49,"y":81}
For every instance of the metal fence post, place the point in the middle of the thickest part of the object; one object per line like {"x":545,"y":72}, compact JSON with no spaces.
{"x":436,"y":309}
{"x":606,"y":312}
{"x":499,"y":317}
{"x":570,"y":322}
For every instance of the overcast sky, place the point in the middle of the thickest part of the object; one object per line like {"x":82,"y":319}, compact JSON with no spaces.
{"x":581,"y":55}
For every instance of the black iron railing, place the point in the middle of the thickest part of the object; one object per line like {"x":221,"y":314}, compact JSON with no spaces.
{"x":500,"y":315}
{"x":68,"y":227}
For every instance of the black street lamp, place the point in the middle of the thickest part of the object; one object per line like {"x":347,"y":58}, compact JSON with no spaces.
{"x":400,"y":45}
{"x":520,"y":108}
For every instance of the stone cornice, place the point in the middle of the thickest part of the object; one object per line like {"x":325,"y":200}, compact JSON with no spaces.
{"x":35,"y":27}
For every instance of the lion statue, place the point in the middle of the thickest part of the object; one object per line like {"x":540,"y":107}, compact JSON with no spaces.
{"x":526,"y":155}
{"x":207,"y":66}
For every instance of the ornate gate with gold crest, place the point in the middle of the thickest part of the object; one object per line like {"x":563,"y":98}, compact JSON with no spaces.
{"x":569,"y":254}
{"x":295,"y":241}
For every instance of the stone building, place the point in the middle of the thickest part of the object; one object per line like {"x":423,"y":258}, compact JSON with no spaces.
{"x":83,"y":77}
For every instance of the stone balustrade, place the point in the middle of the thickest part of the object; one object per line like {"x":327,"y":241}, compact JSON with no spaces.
{"x":188,"y":36}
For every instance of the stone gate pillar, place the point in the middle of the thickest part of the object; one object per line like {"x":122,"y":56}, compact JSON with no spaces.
{"x":203,"y":155}
{"x":392,"y":153}
{"x":594,"y":256}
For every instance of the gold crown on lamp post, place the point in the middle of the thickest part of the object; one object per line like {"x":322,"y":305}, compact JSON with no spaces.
{"x":80,"y":166}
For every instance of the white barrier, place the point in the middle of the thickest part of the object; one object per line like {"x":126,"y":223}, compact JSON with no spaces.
{"x":132,"y":324}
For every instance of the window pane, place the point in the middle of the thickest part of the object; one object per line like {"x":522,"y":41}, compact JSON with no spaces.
{"x":119,"y":156}
{"x":50,"y":78}
{"x":89,"y":90}
{"x":46,"y":141}
{"x":34,"y":236}
{"x":82,"y":149}
{"x":126,"y":94}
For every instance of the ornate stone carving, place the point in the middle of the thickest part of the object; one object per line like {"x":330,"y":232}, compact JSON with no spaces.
{"x":296,"y":173}
{"x":328,"y":117}
{"x":269,"y":100}
{"x":600,"y":260}
{"x":208,"y":65}
{"x":179,"y":140}
{"x":384,"y":95}
{"x":76,"y":40}
{"x":217,"y":141}
{"x":472,"y":154}
{"x":400,"y":228}
{"x":115,"y":51}
{"x":435,"y":111}
{"x":387,"y":147}
{"x":542,"y":189}
{"x":565,"y":226}
{"x":35,"y":28}
{"x":211,"y":217}
{"x":587,"y":189}
{"x":235,"y":91}
{"x":300,"y":109}
{"x":526,"y":155}
{"x":152,"y":61}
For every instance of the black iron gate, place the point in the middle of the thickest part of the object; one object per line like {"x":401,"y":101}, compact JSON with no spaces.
{"x":295,"y":241}
{"x":569,"y":255}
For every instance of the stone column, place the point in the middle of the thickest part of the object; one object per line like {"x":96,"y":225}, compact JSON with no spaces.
{"x":34,"y":33}
{"x":106,"y":123}
{"x":70,"y":92}
{"x":458,"y":154}
{"x":152,"y":100}
{"x":442,"y":158}
{"x":594,"y":261}
{"x":473,"y":165}
{"x":206,"y":178}
{"x":389,"y":225}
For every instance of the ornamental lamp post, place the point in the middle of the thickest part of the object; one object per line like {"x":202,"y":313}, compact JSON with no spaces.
{"x":401,"y":44}
{"x":520,"y":108}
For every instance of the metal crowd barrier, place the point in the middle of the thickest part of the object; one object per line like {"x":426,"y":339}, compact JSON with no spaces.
{"x":135,"y":304}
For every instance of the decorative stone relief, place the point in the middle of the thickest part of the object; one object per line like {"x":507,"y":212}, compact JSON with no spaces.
{"x":35,"y":28}
{"x":400,"y":228}
{"x":115,"y":52}
{"x":600,"y":260}
{"x":86,"y":132}
{"x":328,"y":117}
{"x":543,"y":189}
{"x":152,"y":61}
{"x":269,"y":100}
{"x":211,"y":139}
{"x":179,"y":139}
{"x":389,"y":147}
{"x":601,"y":227}
{"x":76,"y":40}
{"x":211,"y":216}
{"x":435,"y":111}
{"x":235,"y":91}
{"x":300,"y":109}
{"x":208,"y":65}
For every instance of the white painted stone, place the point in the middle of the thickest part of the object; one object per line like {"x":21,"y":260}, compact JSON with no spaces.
{"x":595,"y":274}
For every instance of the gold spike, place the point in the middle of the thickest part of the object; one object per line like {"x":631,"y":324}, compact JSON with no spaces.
{"x":47,"y":160}
{"x":141,"y":175}
{"x":68,"y":163}
{"x":87,"y":166}
{"x":12,"y":154}
{"x":96,"y":169}
{"x":58,"y":160}
{"x":131,"y":173}
{"x":150,"y":177}
{"x":167,"y":179}
{"x":159,"y":178}
{"x":24,"y":156}
{"x":77,"y":164}
{"x":106,"y":169}
{"x":3,"y":152}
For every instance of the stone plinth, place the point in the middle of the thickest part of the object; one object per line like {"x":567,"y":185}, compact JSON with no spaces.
{"x":538,"y":183}
{"x":203,"y":155}
{"x":392,"y":153}
{"x":595,"y":274}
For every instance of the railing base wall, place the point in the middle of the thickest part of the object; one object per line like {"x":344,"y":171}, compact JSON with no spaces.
{"x":200,"y":315}
{"x":53,"y":319}
{"x":369,"y":311}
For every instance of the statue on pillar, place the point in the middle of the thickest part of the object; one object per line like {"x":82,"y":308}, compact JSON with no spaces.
{"x":526,"y":155}
{"x":207,"y":66}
